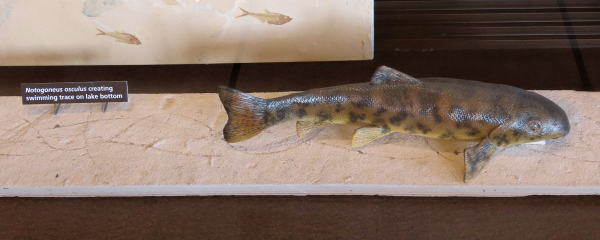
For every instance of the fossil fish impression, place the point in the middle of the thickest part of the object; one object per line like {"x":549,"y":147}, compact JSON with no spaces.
{"x":269,"y":17}
{"x":171,"y":2}
{"x":494,"y":115}
{"x":121,"y":37}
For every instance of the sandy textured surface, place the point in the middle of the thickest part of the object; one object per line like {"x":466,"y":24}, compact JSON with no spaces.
{"x":177,"y":140}
{"x":63,"y":32}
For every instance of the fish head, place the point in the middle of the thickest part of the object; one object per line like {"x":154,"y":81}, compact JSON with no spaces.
{"x":541,"y":119}
{"x":284,"y":19}
{"x":136,"y":41}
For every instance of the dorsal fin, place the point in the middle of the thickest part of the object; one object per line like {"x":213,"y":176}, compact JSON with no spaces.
{"x":267,"y":11}
{"x":386,"y":74}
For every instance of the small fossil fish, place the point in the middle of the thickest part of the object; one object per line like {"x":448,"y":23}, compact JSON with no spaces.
{"x":171,"y":2}
{"x":121,"y":37}
{"x":494,"y":115}
{"x":269,"y":17}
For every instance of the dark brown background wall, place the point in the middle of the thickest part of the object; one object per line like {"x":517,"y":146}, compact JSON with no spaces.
{"x":534,"y":44}
{"x":316,"y":217}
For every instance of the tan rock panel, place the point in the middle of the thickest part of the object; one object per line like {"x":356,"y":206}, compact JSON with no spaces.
{"x":168,"y":140}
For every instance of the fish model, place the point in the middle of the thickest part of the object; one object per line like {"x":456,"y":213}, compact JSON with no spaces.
{"x":269,"y":17}
{"x":494,"y":115}
{"x":121,"y":37}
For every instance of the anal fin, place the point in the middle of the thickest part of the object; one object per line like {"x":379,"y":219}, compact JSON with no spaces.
{"x":304,"y":128}
{"x":477,"y":157}
{"x":364,"y":135}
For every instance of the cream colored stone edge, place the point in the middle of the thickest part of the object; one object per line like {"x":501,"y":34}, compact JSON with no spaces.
{"x":296,"y":190}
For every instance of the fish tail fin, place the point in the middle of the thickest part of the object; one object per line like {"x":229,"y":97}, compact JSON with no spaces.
{"x":243,"y":14}
{"x":246,"y":114}
{"x":101,"y":32}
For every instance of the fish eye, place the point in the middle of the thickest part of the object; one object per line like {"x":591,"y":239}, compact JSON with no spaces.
{"x":535,"y":126}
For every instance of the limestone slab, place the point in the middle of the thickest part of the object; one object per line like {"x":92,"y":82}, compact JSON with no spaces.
{"x":176,"y":140}
{"x":64,"y":32}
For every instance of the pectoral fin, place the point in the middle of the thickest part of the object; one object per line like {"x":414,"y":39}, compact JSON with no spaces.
{"x":364,"y":135}
{"x":477,"y":157}
{"x":304,"y":128}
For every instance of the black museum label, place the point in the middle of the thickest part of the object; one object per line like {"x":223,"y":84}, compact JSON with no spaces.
{"x":74,"y":92}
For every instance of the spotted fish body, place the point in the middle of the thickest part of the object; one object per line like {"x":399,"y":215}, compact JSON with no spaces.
{"x":494,"y":115}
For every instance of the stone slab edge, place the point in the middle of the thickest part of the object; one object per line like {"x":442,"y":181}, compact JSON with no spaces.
{"x":297,"y":190}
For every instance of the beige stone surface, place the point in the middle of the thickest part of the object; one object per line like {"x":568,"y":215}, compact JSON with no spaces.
{"x":162,"y":139}
{"x":63,"y":32}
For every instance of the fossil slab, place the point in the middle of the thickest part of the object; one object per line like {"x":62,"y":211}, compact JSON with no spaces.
{"x":127,"y":32}
{"x":163,"y":140}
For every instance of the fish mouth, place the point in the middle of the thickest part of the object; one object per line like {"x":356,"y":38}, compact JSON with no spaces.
{"x":560,"y":134}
